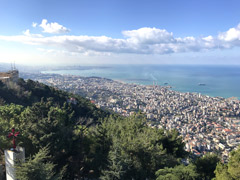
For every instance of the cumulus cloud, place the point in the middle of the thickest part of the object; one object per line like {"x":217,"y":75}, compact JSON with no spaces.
{"x":53,"y":28}
{"x":148,"y":35}
{"x":232,"y":34}
{"x":34,"y":24}
{"x":140,"y":41}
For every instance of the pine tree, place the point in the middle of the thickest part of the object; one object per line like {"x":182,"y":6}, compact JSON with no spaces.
{"x":230,"y":171}
{"x":180,"y":172}
{"x":206,"y":166}
{"x":38,"y":168}
{"x":118,"y":166}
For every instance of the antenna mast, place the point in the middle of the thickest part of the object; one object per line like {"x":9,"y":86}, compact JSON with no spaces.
{"x":14,"y":68}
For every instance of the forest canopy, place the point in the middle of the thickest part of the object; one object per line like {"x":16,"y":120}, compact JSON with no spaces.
{"x":67,"y":137}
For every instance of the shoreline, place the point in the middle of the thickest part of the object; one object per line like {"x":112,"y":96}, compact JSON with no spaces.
{"x":210,"y":89}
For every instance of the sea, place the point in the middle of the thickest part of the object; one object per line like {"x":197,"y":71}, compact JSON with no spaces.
{"x":211,"y":80}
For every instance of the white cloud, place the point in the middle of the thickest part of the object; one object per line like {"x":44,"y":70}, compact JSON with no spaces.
{"x":141,"y":41}
{"x":148,"y":35}
{"x":208,"y":38}
{"x":34,"y":24}
{"x":27,"y":32}
{"x":232,"y":34}
{"x":53,"y":28}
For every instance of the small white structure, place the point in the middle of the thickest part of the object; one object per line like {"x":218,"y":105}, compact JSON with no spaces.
{"x":11,"y":157}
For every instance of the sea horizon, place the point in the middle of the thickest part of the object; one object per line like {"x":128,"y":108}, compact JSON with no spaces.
{"x":211,"y":80}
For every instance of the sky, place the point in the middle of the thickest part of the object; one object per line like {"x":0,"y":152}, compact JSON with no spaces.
{"x":75,"y":32}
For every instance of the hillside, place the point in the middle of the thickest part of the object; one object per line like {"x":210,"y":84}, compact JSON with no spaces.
{"x":45,"y":117}
{"x":26,"y":93}
{"x":60,"y":143}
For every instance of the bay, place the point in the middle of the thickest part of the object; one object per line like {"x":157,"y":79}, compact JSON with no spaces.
{"x":222,"y":81}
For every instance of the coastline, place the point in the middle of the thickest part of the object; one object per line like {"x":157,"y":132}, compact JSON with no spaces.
{"x":219,"y":81}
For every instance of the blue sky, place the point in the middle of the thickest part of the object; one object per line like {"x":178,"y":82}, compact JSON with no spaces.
{"x":120,"y":31}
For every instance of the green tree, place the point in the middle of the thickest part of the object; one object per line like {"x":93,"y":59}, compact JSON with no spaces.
{"x":79,"y":158}
{"x":206,"y":166}
{"x":230,"y":171}
{"x":179,"y":172}
{"x":38,"y":168}
{"x":173,"y":143}
{"x":118,"y":166}
{"x":9,"y":118}
{"x":234,"y":164}
{"x":46,"y":118}
{"x":101,"y":145}
{"x":222,"y":173}
{"x":44,"y":124}
{"x":146,"y":149}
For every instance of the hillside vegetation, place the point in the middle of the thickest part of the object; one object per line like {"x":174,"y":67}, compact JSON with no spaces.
{"x":67,"y":137}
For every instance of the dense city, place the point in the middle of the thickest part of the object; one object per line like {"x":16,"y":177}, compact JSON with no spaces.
{"x":207,"y":124}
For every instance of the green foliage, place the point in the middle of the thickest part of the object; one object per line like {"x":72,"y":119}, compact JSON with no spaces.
{"x":114,"y":148}
{"x":101,"y":145}
{"x":234,"y":164}
{"x":230,"y":171}
{"x":78,"y":158}
{"x":43,"y":124}
{"x":173,"y":143}
{"x":45,"y":117}
{"x":221,"y":172}
{"x":37,"y":167}
{"x":206,"y":166}
{"x":141,"y":149}
{"x":26,"y":93}
{"x":118,"y":166}
{"x":9,"y":118}
{"x":180,"y":172}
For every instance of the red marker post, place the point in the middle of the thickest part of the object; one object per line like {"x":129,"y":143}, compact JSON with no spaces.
{"x":13,"y":135}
